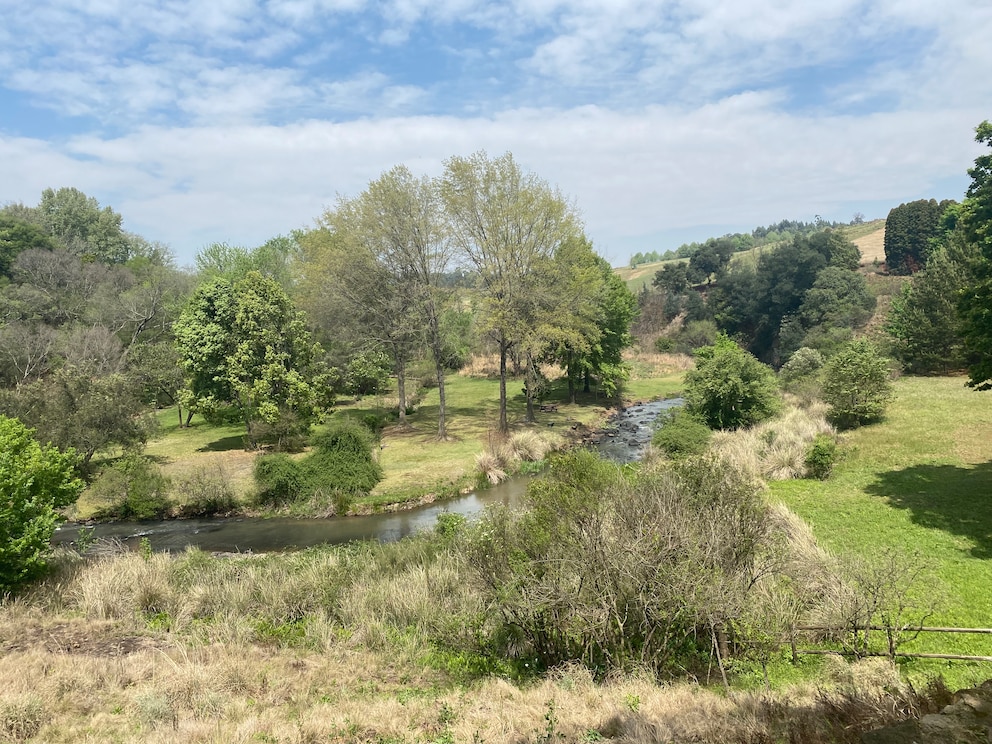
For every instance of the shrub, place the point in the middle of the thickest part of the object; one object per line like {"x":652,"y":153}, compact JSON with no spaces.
{"x":730,"y":388}
{"x":203,"y":493}
{"x":35,"y":482}
{"x":856,"y":385}
{"x":278,"y":478}
{"x":805,"y":363}
{"x":681,"y":434}
{"x":821,"y":457}
{"x":133,"y":488}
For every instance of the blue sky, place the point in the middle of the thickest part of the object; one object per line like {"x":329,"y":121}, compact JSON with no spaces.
{"x":664,"y":120}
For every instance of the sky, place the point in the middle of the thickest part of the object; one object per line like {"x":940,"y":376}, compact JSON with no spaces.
{"x":663,"y":121}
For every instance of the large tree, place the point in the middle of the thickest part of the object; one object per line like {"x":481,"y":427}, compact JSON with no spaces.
{"x":909,"y":233}
{"x":244,"y":345}
{"x":976,"y":300}
{"x":82,"y":227}
{"x":397,"y":238}
{"x":506,"y":222}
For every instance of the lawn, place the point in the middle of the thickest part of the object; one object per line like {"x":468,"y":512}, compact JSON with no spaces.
{"x":919,"y":485}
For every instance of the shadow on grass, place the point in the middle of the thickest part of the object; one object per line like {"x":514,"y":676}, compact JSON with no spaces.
{"x":954,"y":499}
{"x":235,"y":442}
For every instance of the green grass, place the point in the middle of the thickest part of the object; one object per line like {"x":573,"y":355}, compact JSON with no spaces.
{"x":919,"y":484}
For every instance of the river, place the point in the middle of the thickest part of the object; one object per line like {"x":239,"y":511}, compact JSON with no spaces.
{"x":623,"y":440}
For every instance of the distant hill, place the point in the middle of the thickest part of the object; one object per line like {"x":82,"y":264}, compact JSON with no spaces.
{"x":868,"y":236}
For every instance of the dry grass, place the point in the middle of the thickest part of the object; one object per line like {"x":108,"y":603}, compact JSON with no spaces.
{"x":872,"y":245}
{"x":776,"y":449}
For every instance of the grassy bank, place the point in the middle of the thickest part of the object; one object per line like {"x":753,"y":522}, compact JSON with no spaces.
{"x":416,"y":466}
{"x":916,"y":490}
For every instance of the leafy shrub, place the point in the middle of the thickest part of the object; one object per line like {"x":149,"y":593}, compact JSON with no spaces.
{"x":664,"y":344}
{"x":805,"y":363}
{"x":730,"y":388}
{"x":278,"y":479}
{"x":35,"y":481}
{"x":203,"y":493}
{"x":681,"y":434}
{"x":821,"y":457}
{"x":856,"y":385}
{"x":340,"y":467}
{"x":133,"y":488}
{"x":368,"y":373}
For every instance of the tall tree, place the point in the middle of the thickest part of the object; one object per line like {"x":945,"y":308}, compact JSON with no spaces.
{"x":909,"y":232}
{"x":506,"y":222}
{"x":244,"y":345}
{"x":79,"y":224}
{"x":976,"y":300}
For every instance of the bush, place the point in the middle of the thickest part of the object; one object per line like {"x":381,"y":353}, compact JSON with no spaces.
{"x":202,"y":493}
{"x":821,"y":457}
{"x":340,"y":467}
{"x":133,"y":489}
{"x":805,"y":363}
{"x":278,"y":478}
{"x":730,"y":388}
{"x":856,"y":385}
{"x":681,"y":434}
{"x":35,"y":482}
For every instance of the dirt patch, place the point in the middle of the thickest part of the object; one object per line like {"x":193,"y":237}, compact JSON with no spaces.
{"x":91,"y":638}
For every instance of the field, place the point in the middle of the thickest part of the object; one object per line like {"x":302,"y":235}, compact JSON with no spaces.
{"x":330,"y":645}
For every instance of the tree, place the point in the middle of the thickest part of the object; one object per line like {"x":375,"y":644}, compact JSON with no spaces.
{"x":35,"y":482}
{"x":86,"y":230}
{"x":506,"y":222}
{"x":975,"y":304}
{"x":72,"y":409}
{"x":909,"y":232}
{"x":924,"y":323}
{"x":730,"y":388}
{"x":17,"y":236}
{"x":244,"y":345}
{"x":856,"y":385}
{"x":401,"y":224}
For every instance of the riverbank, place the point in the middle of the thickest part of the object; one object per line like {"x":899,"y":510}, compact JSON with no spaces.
{"x":417,"y":468}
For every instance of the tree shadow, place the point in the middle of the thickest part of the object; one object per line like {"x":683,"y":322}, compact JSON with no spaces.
{"x":957,"y":500}
{"x":225,"y":444}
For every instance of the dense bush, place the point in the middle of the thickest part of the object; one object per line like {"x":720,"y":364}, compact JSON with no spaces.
{"x":339,"y":467}
{"x":821,"y":457}
{"x":681,"y":434}
{"x":619,"y":572}
{"x":35,"y":482}
{"x":856,"y":385}
{"x":133,"y":488}
{"x":203,"y":493}
{"x":729,"y":388}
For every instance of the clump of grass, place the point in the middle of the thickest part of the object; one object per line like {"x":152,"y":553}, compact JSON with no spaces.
{"x":21,"y":718}
{"x":491,"y":467}
{"x":775,"y":449}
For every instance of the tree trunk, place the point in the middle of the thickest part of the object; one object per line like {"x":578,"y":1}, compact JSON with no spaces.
{"x":401,"y":391}
{"x":504,"y":427}
{"x":530,"y":385}
{"x":585,"y":383}
{"x":442,"y":431}
{"x":570,"y":373}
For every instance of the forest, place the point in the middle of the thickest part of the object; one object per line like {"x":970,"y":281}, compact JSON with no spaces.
{"x":820,"y":491}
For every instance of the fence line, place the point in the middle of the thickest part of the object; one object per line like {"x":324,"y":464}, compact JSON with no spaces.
{"x":889,"y":631}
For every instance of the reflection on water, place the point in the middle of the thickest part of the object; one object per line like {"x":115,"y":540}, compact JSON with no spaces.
{"x":623,"y":440}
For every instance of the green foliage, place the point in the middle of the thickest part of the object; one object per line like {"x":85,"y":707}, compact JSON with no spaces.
{"x":339,"y":467}
{"x":924,"y":324}
{"x":78,"y":223}
{"x":132,"y":489}
{"x":243,"y":344}
{"x":821,"y":457}
{"x":975,"y":305}
{"x":729,"y":388}
{"x":17,"y":236}
{"x":618,"y":572}
{"x":35,"y":482}
{"x":86,"y":413}
{"x":909,"y":233}
{"x":202,"y":493}
{"x":805,"y":363}
{"x":856,"y":385}
{"x":278,"y":479}
{"x":368,"y":373}
{"x":680,"y":434}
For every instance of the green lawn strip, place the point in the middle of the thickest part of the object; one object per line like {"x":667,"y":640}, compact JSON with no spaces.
{"x":919,"y":483}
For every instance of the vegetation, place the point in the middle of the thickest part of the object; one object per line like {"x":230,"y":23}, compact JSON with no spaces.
{"x":680,"y":434}
{"x":35,"y":483}
{"x":729,"y":388}
{"x":910,"y":230}
{"x":856,"y":385}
